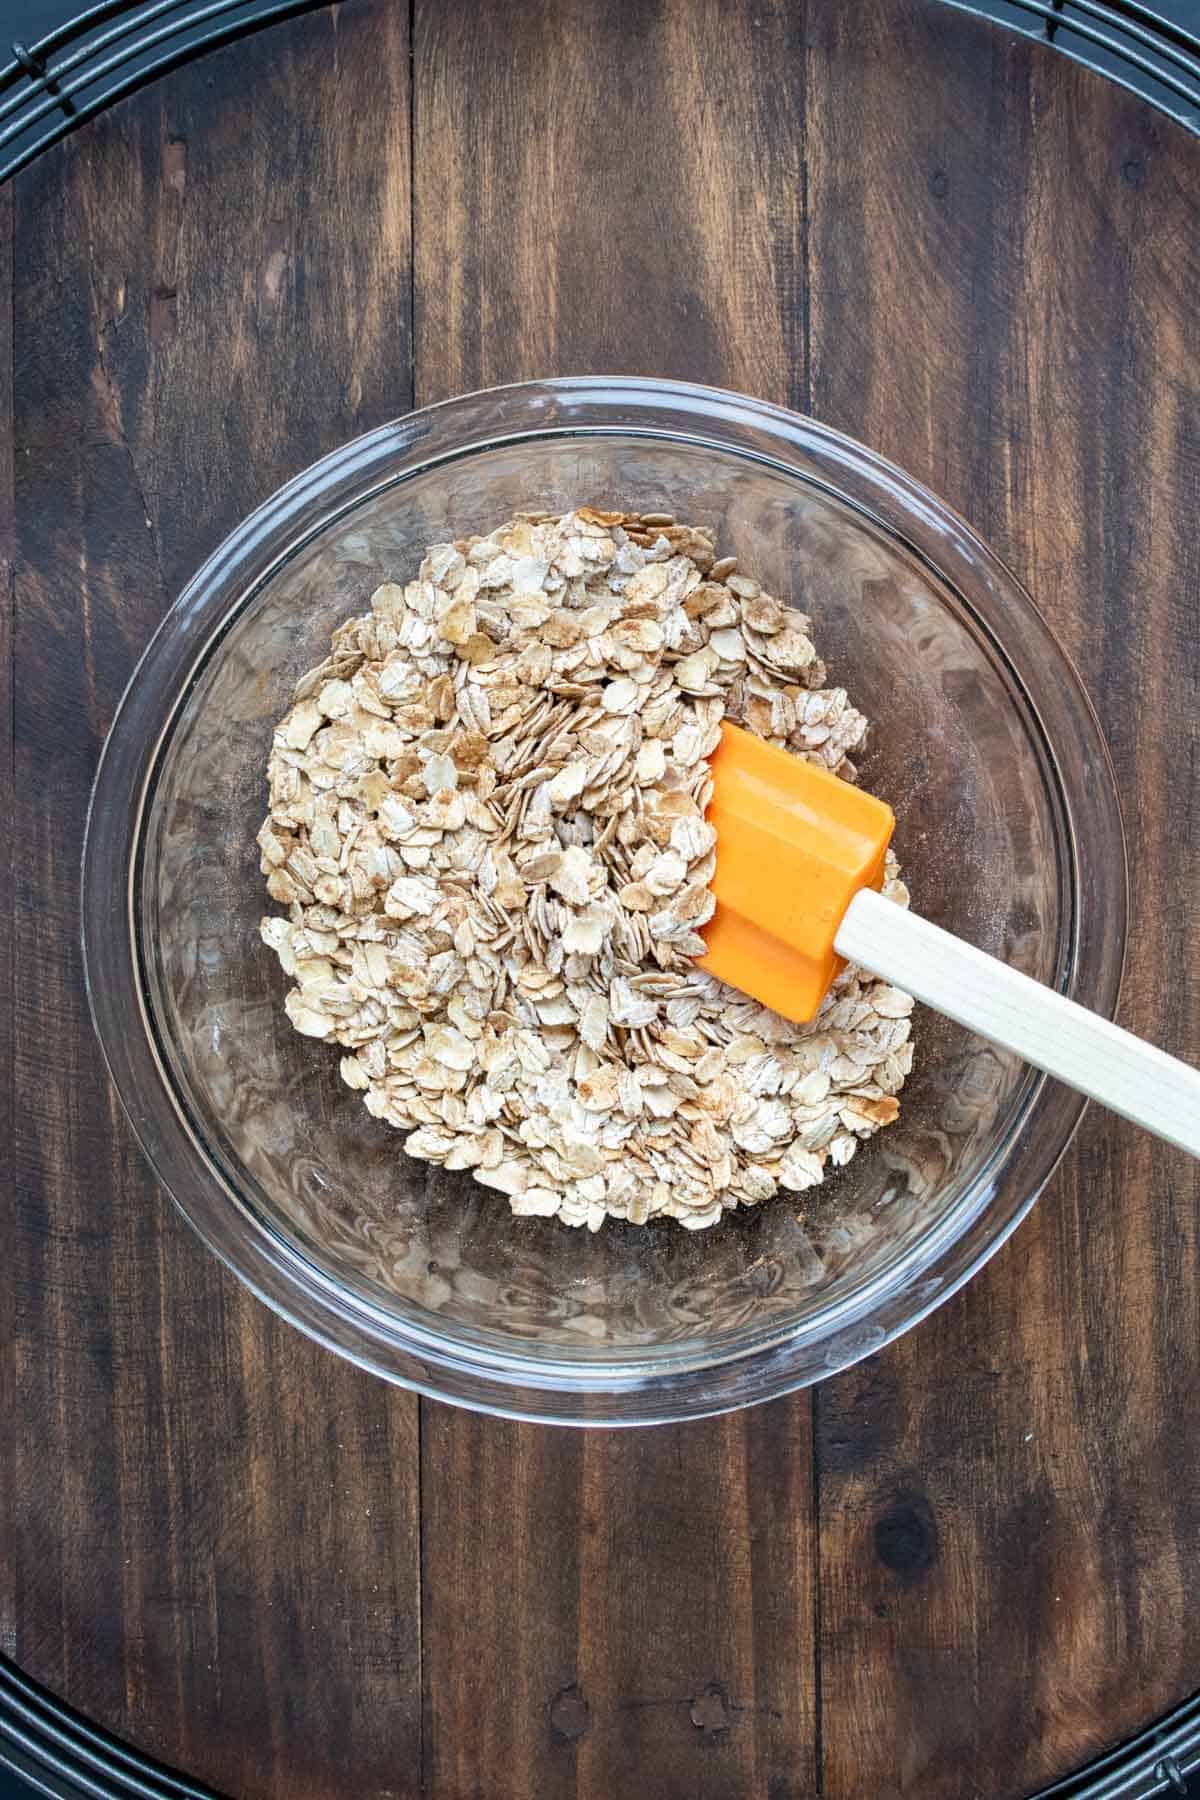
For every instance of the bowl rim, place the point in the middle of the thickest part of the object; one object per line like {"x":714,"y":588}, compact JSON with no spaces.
{"x":464,"y":1366}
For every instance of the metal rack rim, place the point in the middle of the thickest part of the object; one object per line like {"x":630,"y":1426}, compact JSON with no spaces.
{"x":42,"y":1740}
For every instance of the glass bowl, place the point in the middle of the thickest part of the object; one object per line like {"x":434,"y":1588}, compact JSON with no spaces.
{"x":1008,"y":827}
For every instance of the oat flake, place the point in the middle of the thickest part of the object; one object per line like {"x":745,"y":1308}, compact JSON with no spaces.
{"x":487,"y":827}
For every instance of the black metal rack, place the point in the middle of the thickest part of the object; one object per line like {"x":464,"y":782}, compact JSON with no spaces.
{"x":80,"y":68}
{"x":73,"y":73}
{"x":60,"y":1755}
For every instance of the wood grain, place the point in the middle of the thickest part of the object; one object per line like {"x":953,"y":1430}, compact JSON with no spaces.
{"x":637,"y":1606}
{"x":973,"y":1574}
{"x":8,"y":1398}
{"x":1008,"y":1496}
{"x":593,"y":195}
{"x":215,"y":1523}
{"x":595,"y":192}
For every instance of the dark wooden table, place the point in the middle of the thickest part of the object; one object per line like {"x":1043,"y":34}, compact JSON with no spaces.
{"x":963,"y":1568}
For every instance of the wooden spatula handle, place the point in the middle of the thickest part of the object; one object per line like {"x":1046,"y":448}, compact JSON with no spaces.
{"x":1099,"y":1059}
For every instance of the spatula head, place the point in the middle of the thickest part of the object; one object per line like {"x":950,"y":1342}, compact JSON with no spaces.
{"x":794,"y":846}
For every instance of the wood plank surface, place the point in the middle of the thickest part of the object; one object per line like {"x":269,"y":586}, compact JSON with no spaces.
{"x":214,"y":1535}
{"x":964,"y":1567}
{"x":8,"y":1400}
{"x":590,"y":197}
{"x":1003,"y":301}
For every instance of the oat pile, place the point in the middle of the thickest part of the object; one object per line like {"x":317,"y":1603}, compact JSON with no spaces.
{"x":487,"y":824}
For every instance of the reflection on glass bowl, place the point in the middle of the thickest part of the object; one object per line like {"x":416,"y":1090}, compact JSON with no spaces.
{"x":1008,"y":828}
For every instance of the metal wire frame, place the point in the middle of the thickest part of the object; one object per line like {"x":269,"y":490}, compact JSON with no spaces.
{"x":1165,"y":55}
{"x":1163,"y":1760}
{"x":74,"y":72}
{"x":69,"y":76}
{"x":60,"y":1755}
{"x":64,"y":1758}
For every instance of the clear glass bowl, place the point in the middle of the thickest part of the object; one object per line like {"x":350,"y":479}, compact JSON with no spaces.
{"x":1008,"y":827}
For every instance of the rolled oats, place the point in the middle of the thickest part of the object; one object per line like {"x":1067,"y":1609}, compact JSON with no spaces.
{"x":487,"y":825}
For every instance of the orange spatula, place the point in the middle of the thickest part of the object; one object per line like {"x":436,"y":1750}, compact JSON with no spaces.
{"x":799,"y":864}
